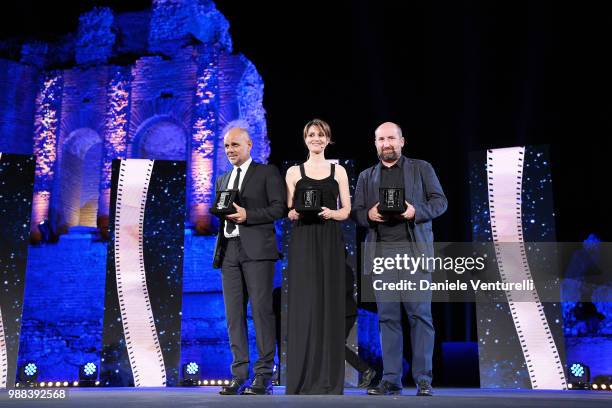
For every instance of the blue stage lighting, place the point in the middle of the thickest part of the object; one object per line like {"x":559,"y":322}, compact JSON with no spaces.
{"x":191,"y":373}
{"x":579,"y":376}
{"x":577,"y":370}
{"x":89,"y":369}
{"x":30,"y":369}
{"x":192,"y":368}
{"x":88,"y":374}
{"x":28,"y":373}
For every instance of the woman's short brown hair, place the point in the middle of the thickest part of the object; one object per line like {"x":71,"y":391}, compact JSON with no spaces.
{"x":322,"y":125}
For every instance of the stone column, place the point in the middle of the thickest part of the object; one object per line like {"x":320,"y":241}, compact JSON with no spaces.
{"x":204,"y":138}
{"x":115,"y":136}
{"x":46,"y":121}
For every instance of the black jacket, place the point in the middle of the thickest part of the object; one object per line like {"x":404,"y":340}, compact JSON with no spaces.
{"x":263,"y":195}
{"x":422,"y":190}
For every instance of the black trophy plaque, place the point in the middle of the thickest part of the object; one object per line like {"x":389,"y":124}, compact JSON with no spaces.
{"x":391,"y":200}
{"x":224,"y":201}
{"x":307,"y":200}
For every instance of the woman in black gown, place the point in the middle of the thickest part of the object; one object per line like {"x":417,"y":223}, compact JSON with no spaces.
{"x":316,"y":272}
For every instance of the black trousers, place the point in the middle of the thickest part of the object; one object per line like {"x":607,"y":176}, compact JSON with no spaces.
{"x":245,"y":279}
{"x":351,"y":357}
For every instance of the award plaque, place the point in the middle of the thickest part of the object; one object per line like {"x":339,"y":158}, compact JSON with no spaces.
{"x":307,"y":200}
{"x":224,"y":201}
{"x":391,"y":200}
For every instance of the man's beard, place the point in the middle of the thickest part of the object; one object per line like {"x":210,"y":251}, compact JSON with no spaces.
{"x":388,"y":155}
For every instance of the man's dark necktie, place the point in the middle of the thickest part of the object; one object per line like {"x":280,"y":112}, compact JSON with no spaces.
{"x":231,"y":225}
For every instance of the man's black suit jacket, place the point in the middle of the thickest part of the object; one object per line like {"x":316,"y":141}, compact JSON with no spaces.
{"x":263,"y":195}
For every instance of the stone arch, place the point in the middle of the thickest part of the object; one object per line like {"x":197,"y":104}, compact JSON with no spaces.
{"x":161,"y":137}
{"x":80,"y":169}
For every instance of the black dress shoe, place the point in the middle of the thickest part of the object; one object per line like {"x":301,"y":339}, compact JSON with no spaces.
{"x":261,"y":385}
{"x":234,"y":388}
{"x":424,"y":389}
{"x":366,"y":378}
{"x":385,"y":388}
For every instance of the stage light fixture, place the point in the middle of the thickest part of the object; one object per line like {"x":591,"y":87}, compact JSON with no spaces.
{"x":604,"y":382}
{"x":191,"y":374}
{"x":28,"y":373}
{"x":579,"y":376}
{"x":46,"y":232}
{"x":88,"y":374}
{"x":275,"y":375}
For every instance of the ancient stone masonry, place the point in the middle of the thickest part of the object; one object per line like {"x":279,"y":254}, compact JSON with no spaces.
{"x":160,"y":84}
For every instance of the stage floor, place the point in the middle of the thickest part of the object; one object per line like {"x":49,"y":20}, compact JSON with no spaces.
{"x":201,"y":397}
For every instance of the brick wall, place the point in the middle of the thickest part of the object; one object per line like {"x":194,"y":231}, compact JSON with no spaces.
{"x":64,"y":307}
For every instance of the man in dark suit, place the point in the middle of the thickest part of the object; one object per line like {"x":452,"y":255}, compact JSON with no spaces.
{"x":425,"y":201}
{"x":246,"y":252}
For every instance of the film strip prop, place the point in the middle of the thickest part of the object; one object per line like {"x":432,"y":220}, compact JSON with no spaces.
{"x":517,"y":345}
{"x":142,"y":319}
{"x":16,"y":189}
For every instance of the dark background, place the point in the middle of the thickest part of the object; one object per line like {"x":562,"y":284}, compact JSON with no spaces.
{"x":457,"y":76}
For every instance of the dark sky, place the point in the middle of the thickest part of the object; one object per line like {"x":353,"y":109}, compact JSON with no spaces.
{"x":457,"y":76}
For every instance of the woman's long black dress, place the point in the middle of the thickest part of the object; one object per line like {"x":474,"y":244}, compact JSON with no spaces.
{"x":316,"y":277}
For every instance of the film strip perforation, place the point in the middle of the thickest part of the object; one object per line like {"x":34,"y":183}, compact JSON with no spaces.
{"x":3,"y":353}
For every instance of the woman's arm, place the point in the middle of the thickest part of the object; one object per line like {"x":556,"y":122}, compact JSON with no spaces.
{"x":290,"y":180}
{"x":344,"y":211}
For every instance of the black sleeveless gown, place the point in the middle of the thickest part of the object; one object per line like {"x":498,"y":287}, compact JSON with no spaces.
{"x":316,"y":277}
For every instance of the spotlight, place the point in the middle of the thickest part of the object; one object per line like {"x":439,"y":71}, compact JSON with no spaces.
{"x":75,"y":384}
{"x":88,"y":374}
{"x":205,"y":382}
{"x":603,"y":381}
{"x":46,"y":232}
{"x":191,"y":374}
{"x":595,"y":386}
{"x":275,"y":375}
{"x":579,"y":376}
{"x":42,"y":384}
{"x":28,"y":373}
